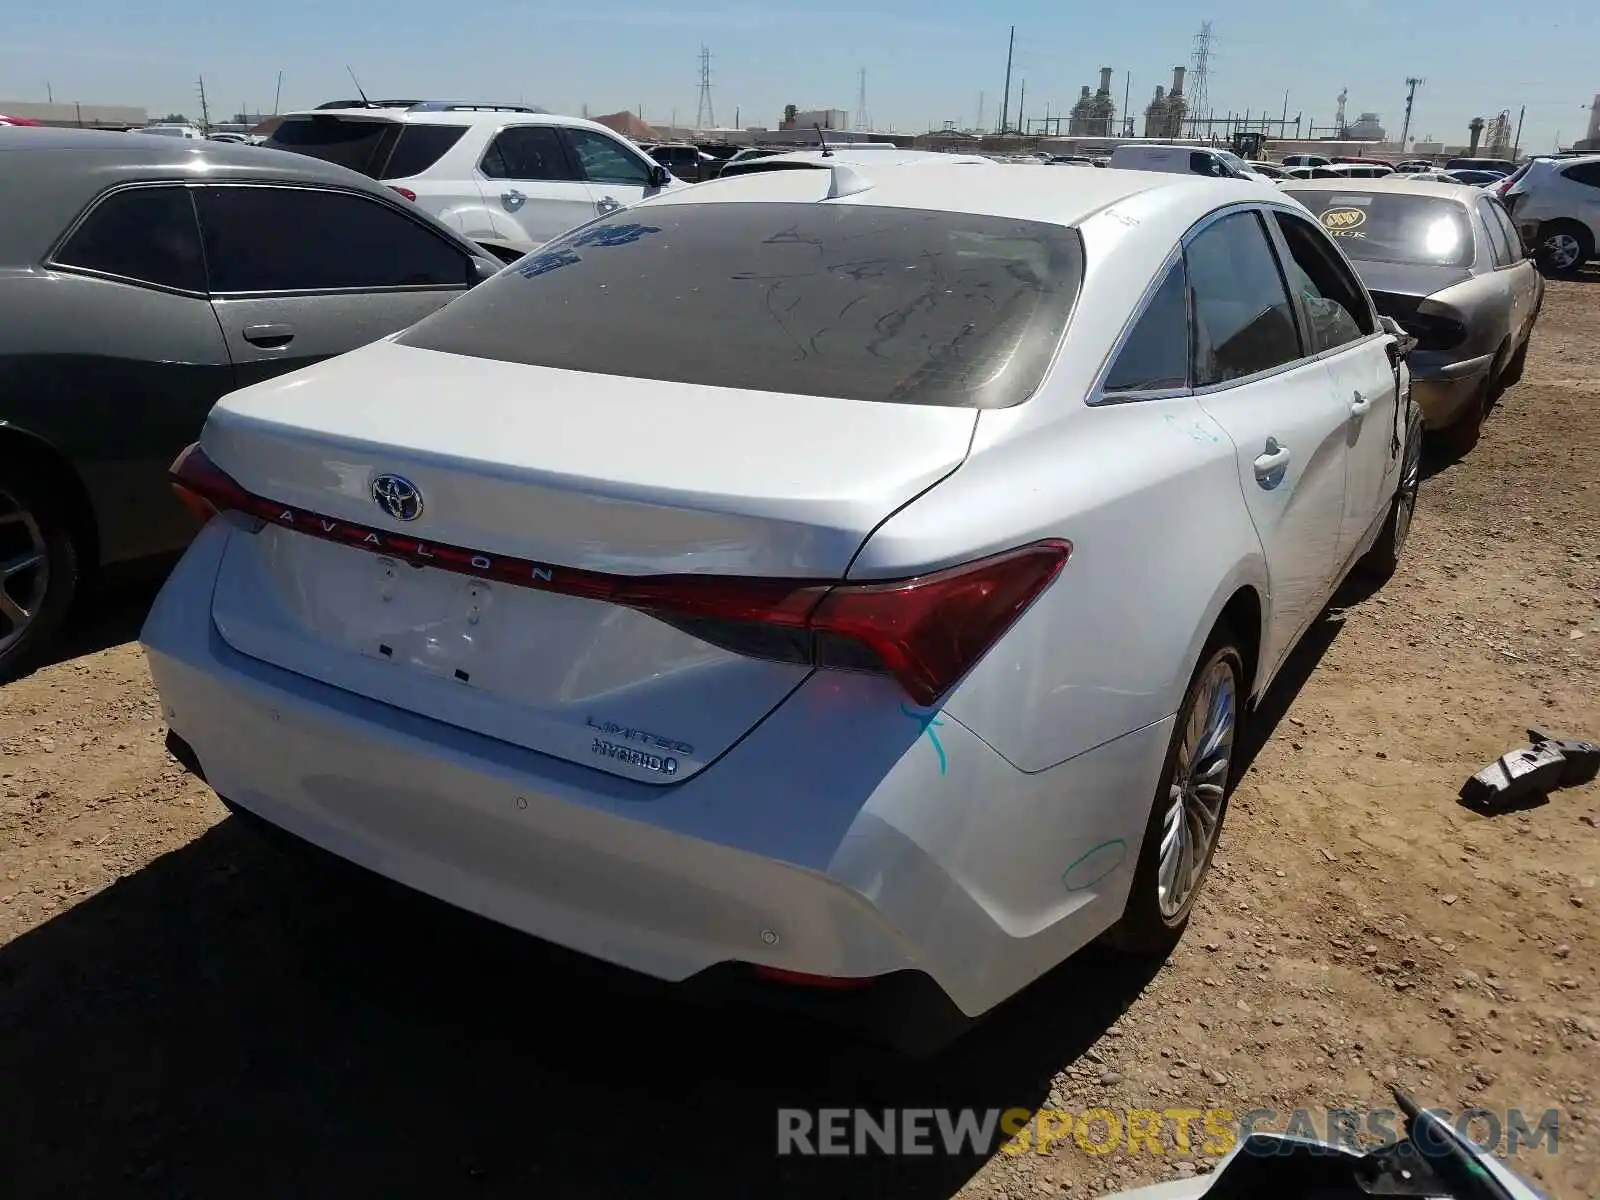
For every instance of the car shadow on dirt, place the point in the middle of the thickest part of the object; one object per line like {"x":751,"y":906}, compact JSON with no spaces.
{"x":248,"y":1018}
{"x":110,"y":612}
{"x":1292,"y":676}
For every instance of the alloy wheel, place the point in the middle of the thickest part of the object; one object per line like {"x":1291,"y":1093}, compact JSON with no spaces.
{"x":1563,"y":250}
{"x":1199,"y":786}
{"x":24,"y":570}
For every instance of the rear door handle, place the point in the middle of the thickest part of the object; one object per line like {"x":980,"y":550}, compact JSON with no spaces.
{"x":512,"y":200}
{"x":269,"y":337}
{"x":1271,"y":464}
{"x":1361,"y":405}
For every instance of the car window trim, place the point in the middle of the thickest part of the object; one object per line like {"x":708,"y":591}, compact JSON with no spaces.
{"x":1098,"y":395}
{"x":1490,"y":224}
{"x":51,"y":262}
{"x":1259,"y":210}
{"x":574,"y":169}
{"x":1281,"y":245}
{"x":648,"y":163}
{"x":380,"y":201}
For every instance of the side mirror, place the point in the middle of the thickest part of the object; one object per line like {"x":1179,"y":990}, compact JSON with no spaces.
{"x":660,"y":176}
{"x":480,"y":270}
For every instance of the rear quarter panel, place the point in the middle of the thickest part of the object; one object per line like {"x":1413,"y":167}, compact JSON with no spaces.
{"x":1148,"y":494}
{"x":1485,"y":301}
{"x":118,"y":379}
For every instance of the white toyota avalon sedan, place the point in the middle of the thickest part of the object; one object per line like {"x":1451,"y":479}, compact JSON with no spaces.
{"x":845,"y":577}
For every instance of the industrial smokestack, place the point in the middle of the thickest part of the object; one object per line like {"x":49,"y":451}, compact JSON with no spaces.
{"x":1105,"y":81}
{"x":1177,"y":80}
{"x":1474,"y":127}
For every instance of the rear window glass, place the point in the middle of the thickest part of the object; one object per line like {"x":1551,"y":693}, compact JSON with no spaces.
{"x":853,"y":301}
{"x":419,"y":147}
{"x":361,"y":145}
{"x":1393,"y":227}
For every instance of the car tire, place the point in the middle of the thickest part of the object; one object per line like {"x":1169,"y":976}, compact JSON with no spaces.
{"x":1563,"y":247}
{"x":1380,"y":562}
{"x":39,"y":565}
{"x":1185,"y":809}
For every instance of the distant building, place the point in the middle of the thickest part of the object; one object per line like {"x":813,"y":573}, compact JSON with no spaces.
{"x":78,"y":116}
{"x":1165,"y":115}
{"x":825,"y":118}
{"x":1094,"y":115}
{"x":1365,"y":129}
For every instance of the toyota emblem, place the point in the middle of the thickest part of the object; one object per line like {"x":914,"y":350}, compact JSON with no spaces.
{"x":397,"y":496}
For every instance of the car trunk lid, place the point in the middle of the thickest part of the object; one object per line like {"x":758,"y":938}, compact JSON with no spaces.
{"x":534,"y":469}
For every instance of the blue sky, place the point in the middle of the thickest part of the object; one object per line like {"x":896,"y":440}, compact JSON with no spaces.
{"x":926,"y":62}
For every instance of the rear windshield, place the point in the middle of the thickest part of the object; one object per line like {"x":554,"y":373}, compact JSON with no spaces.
{"x":1393,"y":227}
{"x":377,"y":148}
{"x":846,"y":300}
{"x":362,"y":145}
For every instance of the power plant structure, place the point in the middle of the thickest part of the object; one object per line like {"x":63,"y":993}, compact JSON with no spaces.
{"x":1164,"y":116}
{"x":1094,"y":115}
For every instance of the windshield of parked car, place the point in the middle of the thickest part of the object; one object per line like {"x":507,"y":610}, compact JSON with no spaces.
{"x":854,"y":301}
{"x":1393,"y":227}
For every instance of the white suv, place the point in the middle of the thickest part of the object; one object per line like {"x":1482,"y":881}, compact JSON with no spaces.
{"x":1555,"y":203}
{"x":507,"y":176}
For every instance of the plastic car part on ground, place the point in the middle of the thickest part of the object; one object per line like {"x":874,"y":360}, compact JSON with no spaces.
{"x":1543,"y":766}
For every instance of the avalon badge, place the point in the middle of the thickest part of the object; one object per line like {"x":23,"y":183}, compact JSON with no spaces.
{"x":397,"y":496}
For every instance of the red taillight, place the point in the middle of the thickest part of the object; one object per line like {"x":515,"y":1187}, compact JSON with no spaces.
{"x":925,"y":632}
{"x":406,"y":192}
{"x":204,"y":488}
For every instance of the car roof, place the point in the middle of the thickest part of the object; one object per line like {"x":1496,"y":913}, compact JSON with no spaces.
{"x":430,"y":113}
{"x":48,"y":175}
{"x":1033,"y":192}
{"x":876,"y":157}
{"x":1400,"y":185}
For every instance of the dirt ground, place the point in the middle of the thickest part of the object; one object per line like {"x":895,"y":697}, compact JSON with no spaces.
{"x":187,"y":1009}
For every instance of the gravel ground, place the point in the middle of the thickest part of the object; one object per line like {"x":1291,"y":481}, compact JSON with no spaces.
{"x":187,"y":1009}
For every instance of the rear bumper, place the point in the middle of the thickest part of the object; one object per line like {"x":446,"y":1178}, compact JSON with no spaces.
{"x":831,"y":841}
{"x":1443,"y":389}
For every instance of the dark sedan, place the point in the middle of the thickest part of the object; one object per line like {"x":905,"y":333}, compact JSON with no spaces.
{"x":1443,"y":260}
{"x":140,"y":280}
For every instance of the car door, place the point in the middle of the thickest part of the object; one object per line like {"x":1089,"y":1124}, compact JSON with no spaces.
{"x":299,"y":274}
{"x":531,"y":186}
{"x":123,"y":360}
{"x":1287,"y":421}
{"x":617,"y":176}
{"x":1341,"y":329}
{"x":1521,"y":277}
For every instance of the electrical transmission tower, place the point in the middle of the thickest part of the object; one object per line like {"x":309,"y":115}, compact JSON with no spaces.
{"x":704,"y":117}
{"x":1411,"y":95}
{"x":1200,"y":72}
{"x":862,"y":120}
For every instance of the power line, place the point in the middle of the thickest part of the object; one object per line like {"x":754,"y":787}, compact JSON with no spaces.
{"x":704,"y":117}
